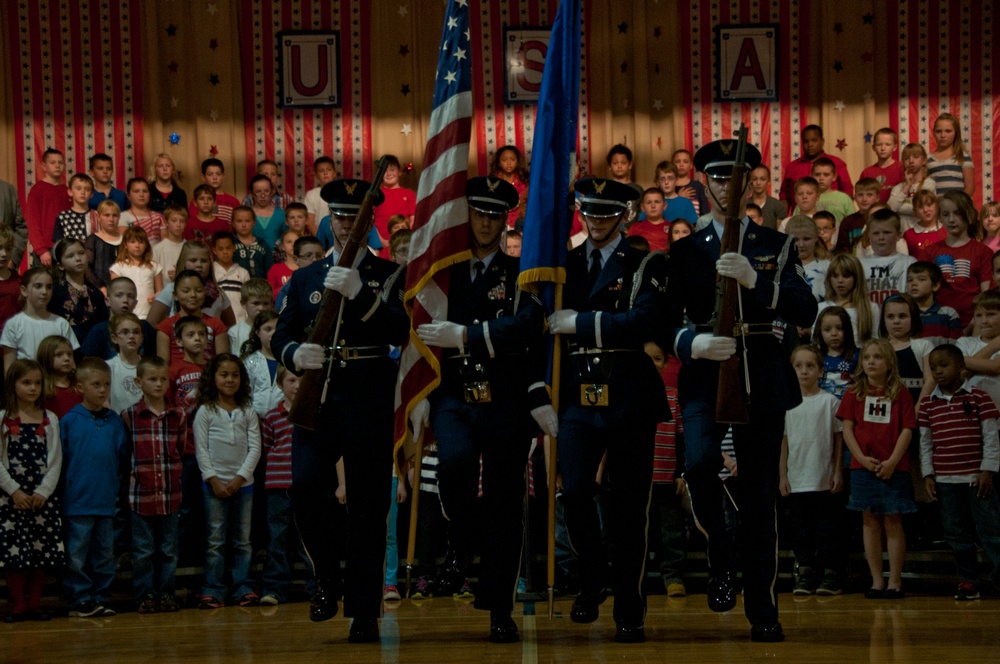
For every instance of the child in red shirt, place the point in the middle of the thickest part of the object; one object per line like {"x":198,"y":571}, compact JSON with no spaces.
{"x":654,"y":227}
{"x":189,"y":292}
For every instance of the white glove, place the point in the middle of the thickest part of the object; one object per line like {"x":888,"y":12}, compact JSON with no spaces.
{"x":547,"y":419}
{"x":309,"y":356}
{"x":442,"y":335}
{"x":420,"y":417}
{"x":563,"y":321}
{"x":707,"y":346}
{"x":345,"y":281}
{"x":738,"y":267}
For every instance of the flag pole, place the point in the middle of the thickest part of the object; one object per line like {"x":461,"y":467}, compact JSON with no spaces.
{"x":551,"y":472}
{"x":411,"y":540}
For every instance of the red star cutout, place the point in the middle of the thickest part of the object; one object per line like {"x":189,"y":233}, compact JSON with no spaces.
{"x":657,"y":32}
{"x":172,"y":67}
{"x":867,"y":56}
{"x":213,"y":150}
{"x":213,"y":44}
{"x":404,"y":50}
{"x":841,"y":144}
{"x":659,"y":142}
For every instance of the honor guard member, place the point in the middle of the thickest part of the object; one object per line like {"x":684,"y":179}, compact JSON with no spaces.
{"x":772,"y":286}
{"x":491,"y":402}
{"x":611,"y":399}
{"x":355,"y":418}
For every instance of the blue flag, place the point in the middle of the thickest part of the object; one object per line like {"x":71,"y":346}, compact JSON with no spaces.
{"x":549,"y":215}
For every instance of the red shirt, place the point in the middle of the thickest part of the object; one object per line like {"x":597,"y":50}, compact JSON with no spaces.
{"x":665,"y":445}
{"x":887,"y":177}
{"x":45,"y":202}
{"x":185,"y":377}
{"x":965,"y":269}
{"x":278,"y":276}
{"x":216,"y":328}
{"x":156,"y":443}
{"x":63,"y":401}
{"x":802,"y":167}
{"x":10,"y":291}
{"x":397,"y":201}
{"x":276,"y":439}
{"x":658,"y":235}
{"x":224,"y":206}
{"x":916,"y":242}
{"x":878,"y":423}
{"x":196,"y":229}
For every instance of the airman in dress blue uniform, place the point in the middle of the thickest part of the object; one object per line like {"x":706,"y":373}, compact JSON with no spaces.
{"x":611,"y":399}
{"x":772,"y":286}
{"x":356,"y":416}
{"x":491,"y":402}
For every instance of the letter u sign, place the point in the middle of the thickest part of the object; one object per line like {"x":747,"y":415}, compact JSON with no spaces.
{"x":309,"y":67}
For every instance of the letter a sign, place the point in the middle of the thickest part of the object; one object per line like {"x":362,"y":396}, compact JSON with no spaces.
{"x":309,"y":68}
{"x":746,"y":62}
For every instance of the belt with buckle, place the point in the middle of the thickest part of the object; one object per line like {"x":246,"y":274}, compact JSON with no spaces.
{"x":344,"y":353}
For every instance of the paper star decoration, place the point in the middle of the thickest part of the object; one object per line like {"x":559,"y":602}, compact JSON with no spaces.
{"x":839,"y":106}
{"x":624,"y":66}
{"x":172,"y":67}
{"x":868,"y":18}
{"x":404,"y":50}
{"x":406,"y":89}
{"x":838,"y":66}
{"x":623,"y":27}
{"x":213,"y":44}
{"x":174,"y":101}
{"x":659,"y":141}
{"x":867,"y":56}
{"x":171,"y":30}
{"x":657,"y":32}
{"x":214,"y":150}
{"x":406,"y":129}
{"x":868,"y":137}
{"x":658,"y":104}
{"x":214,"y":79}
{"x":214,"y":115}
{"x":838,"y":27}
{"x":211,"y":9}
{"x":841,"y":144}
{"x":175,"y":138}
{"x":403,"y":11}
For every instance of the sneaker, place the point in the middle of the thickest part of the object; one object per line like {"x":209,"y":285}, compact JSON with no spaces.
{"x":465,"y":591}
{"x":168,"y":604}
{"x":802,"y":587}
{"x":209,"y":602}
{"x":86,"y":610}
{"x":966,"y":591}
{"x":149,"y":604}
{"x":830,"y":584}
{"x":522,"y":586}
{"x":676,"y":589}
{"x":250,"y":599}
{"x":269,"y":600}
{"x":422,"y":588}
{"x":107,"y":612}
{"x":390,"y":594}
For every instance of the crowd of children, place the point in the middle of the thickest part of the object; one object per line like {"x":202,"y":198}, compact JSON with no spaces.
{"x":140,"y":380}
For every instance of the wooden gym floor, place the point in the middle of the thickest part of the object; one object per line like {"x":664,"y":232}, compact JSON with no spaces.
{"x":840,"y":629}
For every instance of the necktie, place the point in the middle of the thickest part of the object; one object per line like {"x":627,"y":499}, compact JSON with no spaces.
{"x":595,"y":266}
{"x":479,"y":267}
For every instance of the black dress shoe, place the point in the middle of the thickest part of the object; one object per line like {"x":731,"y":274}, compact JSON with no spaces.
{"x":503,"y":629}
{"x":893,"y":593}
{"x":630,"y":633}
{"x":585,"y":607}
{"x":874,"y":593}
{"x":363,"y":630}
{"x":323,"y":605}
{"x":38,"y":615}
{"x":16,"y":617}
{"x":765,"y":632}
{"x":722,"y":592}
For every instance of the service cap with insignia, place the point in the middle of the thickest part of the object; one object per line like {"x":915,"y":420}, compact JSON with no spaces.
{"x":491,"y":196}
{"x":603,"y":198}
{"x":716,"y":159}
{"x":345,"y":195}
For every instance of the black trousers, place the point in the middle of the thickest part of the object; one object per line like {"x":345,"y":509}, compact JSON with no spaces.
{"x":355,"y":423}
{"x":501,"y":435}
{"x":585,"y":434}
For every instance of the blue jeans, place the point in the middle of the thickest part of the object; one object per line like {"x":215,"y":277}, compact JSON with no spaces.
{"x":277,"y":577}
{"x":228,"y":523}
{"x":391,"y":546}
{"x":964,"y":513}
{"x":91,"y":554}
{"x":154,"y":554}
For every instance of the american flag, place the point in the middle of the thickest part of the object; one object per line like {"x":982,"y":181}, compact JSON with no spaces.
{"x":76,"y":84}
{"x":440,"y":233}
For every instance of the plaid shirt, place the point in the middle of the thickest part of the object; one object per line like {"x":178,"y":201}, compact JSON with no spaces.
{"x":155,"y":443}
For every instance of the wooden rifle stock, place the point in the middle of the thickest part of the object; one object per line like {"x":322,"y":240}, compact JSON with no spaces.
{"x":730,"y":398}
{"x":307,"y":404}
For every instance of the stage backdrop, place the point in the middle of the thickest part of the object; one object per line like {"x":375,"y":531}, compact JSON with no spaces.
{"x":195,"y":79}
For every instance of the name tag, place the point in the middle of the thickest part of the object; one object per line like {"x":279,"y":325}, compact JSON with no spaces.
{"x":877,"y":410}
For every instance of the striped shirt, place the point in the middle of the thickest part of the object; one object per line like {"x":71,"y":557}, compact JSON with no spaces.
{"x":948,"y":173}
{"x":276,"y":437}
{"x":958,"y":435}
{"x":940,"y":324}
{"x":665,"y":461}
{"x":155,"y":443}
